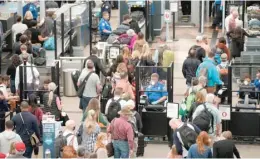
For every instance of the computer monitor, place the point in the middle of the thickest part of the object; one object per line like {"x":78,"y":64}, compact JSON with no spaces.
{"x":247,"y":89}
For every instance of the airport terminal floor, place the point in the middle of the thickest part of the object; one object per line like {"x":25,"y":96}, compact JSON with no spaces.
{"x":185,"y":37}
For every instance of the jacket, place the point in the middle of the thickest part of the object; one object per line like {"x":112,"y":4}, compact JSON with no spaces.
{"x":224,"y":48}
{"x":225,"y":149}
{"x":134,"y":25}
{"x":6,"y":139}
{"x":189,"y":68}
{"x":212,"y":72}
{"x":139,"y":45}
{"x":97,"y":64}
{"x":200,"y":52}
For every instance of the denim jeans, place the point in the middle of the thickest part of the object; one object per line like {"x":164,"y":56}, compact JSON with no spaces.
{"x":84,"y":103}
{"x":28,"y":151}
{"x":121,"y":149}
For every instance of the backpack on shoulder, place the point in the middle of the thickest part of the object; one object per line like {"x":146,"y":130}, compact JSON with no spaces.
{"x":191,"y":98}
{"x":113,"y":109}
{"x":204,"y":120}
{"x":60,"y":143}
{"x":188,"y":135}
{"x":133,"y":121}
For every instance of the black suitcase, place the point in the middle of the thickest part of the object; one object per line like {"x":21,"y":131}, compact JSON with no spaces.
{"x":141,"y":145}
{"x":75,"y":76}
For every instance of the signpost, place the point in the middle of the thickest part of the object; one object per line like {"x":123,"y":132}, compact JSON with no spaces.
{"x":167,"y":19}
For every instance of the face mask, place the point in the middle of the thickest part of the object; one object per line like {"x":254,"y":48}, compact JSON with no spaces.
{"x":153,"y":83}
{"x":105,"y":142}
{"x":245,"y":82}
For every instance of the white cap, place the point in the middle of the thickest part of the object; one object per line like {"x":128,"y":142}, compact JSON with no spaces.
{"x":199,"y":38}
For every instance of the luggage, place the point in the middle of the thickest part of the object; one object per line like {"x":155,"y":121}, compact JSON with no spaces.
{"x":137,"y":15}
{"x":49,"y":44}
{"x":141,"y":145}
{"x":112,"y":38}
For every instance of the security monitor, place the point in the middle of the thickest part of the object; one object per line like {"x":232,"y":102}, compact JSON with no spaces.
{"x":143,"y":100}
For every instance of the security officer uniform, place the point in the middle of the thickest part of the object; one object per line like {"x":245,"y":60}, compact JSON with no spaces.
{"x":106,"y":7}
{"x":104,"y":24}
{"x":155,"y":96}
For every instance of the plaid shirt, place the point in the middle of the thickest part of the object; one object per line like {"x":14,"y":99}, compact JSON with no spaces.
{"x":89,"y":140}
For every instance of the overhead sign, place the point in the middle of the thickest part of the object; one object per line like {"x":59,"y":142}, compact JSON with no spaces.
{"x":174,"y":6}
{"x":225,"y":112}
{"x":167,"y":16}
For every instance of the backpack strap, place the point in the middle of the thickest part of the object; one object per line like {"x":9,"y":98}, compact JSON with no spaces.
{"x":212,"y":118}
{"x":71,"y":141}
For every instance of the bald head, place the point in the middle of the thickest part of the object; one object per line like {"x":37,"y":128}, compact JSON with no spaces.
{"x":175,"y":123}
{"x":235,"y":14}
{"x":70,"y":125}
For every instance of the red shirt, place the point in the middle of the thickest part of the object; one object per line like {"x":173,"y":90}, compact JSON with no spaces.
{"x":38,"y":114}
{"x":122,"y":130}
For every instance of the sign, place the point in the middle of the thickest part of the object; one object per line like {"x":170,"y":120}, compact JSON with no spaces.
{"x":225,"y":112}
{"x":173,"y":110}
{"x":174,"y":7}
{"x":167,"y":16}
{"x":113,"y":52}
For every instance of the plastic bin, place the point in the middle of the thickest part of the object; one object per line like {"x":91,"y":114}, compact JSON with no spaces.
{"x":68,"y":85}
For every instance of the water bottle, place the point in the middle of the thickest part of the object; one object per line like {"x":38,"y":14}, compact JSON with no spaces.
{"x":47,"y":153}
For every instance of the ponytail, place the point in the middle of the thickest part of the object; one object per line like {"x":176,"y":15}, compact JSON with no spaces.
{"x":91,"y":121}
{"x":50,"y":98}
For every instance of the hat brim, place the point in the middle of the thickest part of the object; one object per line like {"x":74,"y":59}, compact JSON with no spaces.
{"x":125,"y":113}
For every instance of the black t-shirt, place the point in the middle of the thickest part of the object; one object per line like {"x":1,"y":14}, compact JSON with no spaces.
{"x":35,"y":34}
{"x":11,"y":70}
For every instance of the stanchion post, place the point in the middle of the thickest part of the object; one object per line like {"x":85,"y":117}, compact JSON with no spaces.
{"x":21,"y":82}
{"x":137,"y":84}
{"x":173,"y":25}
{"x":70,"y":33}
{"x":58,"y":77}
{"x":90,"y":26}
{"x":62,"y":33}
{"x":146,"y":20}
{"x":55,"y":38}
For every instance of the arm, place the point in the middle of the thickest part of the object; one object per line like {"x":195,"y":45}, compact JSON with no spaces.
{"x":197,"y":129}
{"x":236,"y":152}
{"x":107,"y":105}
{"x":58,"y":103}
{"x":41,"y":38}
{"x":184,"y":69}
{"x":177,"y":143}
{"x":36,"y":72}
{"x":98,"y":86}
{"x":130,"y":137}
{"x":215,"y":77}
{"x":17,"y":78}
{"x":257,"y":82}
{"x":103,"y":29}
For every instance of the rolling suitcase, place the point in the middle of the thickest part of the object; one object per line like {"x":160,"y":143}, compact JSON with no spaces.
{"x":141,"y":145}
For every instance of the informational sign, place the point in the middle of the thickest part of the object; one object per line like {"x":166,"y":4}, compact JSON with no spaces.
{"x":173,"y":110}
{"x":114,"y":52}
{"x":174,"y":6}
{"x":225,"y":112}
{"x":167,"y":16}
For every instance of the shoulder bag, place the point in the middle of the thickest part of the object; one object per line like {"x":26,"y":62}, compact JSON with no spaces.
{"x":34,"y":79}
{"x":82,"y":85}
{"x":109,"y":146}
{"x":33,"y":138}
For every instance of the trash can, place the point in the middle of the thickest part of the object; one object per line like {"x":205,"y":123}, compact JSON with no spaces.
{"x":68,"y":85}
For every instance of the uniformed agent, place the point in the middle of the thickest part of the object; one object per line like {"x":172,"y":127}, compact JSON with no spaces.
{"x":104,"y":27}
{"x":156,"y":97}
{"x":106,"y":7}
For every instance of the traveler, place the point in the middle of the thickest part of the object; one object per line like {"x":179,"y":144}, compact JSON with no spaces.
{"x":100,"y":148}
{"x":146,"y":57}
{"x":26,"y":125}
{"x":32,"y":74}
{"x":122,"y":134}
{"x":124,"y":83}
{"x":20,"y":150}
{"x":16,"y":43}
{"x":207,"y":117}
{"x":135,"y":26}
{"x":185,"y":134}
{"x":91,"y":130}
{"x":30,"y":6}
{"x":126,"y":54}
{"x":223,"y":68}
{"x":37,"y":38}
{"x":159,"y":97}
{"x":218,"y":17}
{"x":104,"y":26}
{"x":115,"y":100}
{"x":257,"y":80}
{"x":201,"y":149}
{"x":18,"y":27}
{"x":199,"y":99}
{"x":52,"y":102}
{"x":11,"y":71}
{"x":201,"y":86}
{"x":140,"y":42}
{"x":222,"y":48}
{"x":205,"y":44}
{"x":28,"y":18}
{"x":113,"y":68}
{"x":4,"y":107}
{"x":46,"y":27}
{"x":92,"y":87}
{"x":189,"y":67}
{"x":24,"y":49}
{"x":199,"y":51}
{"x":97,"y":63}
{"x":94,"y":104}
{"x":208,"y":69}
{"x":125,"y":25}
{"x":3,"y":88}
{"x":231,"y":20}
{"x":225,"y":148}
{"x":24,"y":40}
{"x":44,"y":89}
{"x":8,"y":137}
{"x":69,"y":133}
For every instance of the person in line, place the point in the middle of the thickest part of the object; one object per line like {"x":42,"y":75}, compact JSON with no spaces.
{"x":223,"y":68}
{"x":189,"y":67}
{"x":100,"y":147}
{"x":16,"y":43}
{"x":208,"y":69}
{"x":11,"y":71}
{"x":69,"y":133}
{"x":24,"y":40}
{"x":25,"y":125}
{"x":117,"y":97}
{"x":199,"y":99}
{"x":231,"y":20}
{"x":44,"y":89}
{"x":221,"y":47}
{"x":205,"y":44}
{"x":122,"y":134}
{"x":113,"y":68}
{"x":202,"y":147}
{"x":201,"y":86}
{"x":32,"y":74}
{"x":139,"y":43}
{"x":24,"y":49}
{"x":218,"y":12}
{"x":97,"y":63}
{"x":125,"y":25}
{"x":92,"y":87}
{"x":125,"y":84}
{"x":156,"y":97}
{"x":199,"y":51}
{"x":91,"y":130}
{"x":8,"y":137}
{"x":52,"y":102}
{"x":146,"y":57}
{"x":215,"y":129}
{"x":20,"y":149}
{"x":126,"y":54}
{"x":18,"y":27}
{"x":30,"y":6}
{"x":46,"y":27}
{"x":28,"y":18}
{"x":37,"y":38}
{"x":225,"y":148}
{"x":104,"y":26}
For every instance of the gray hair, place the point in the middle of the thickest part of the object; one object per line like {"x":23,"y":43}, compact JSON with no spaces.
{"x":202,"y":80}
{"x":239,"y":23}
{"x":51,"y":87}
{"x":82,"y":151}
{"x":210,"y":98}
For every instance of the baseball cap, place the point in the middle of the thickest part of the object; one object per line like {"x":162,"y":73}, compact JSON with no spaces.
{"x":20,"y":146}
{"x":224,"y":56}
{"x":2,"y":155}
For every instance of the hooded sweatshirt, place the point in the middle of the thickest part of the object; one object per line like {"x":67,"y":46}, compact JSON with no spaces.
{"x":6,"y":138}
{"x":224,"y":48}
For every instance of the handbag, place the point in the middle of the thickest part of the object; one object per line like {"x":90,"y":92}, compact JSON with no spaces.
{"x":33,"y":138}
{"x":49,"y":44}
{"x":109,"y":146}
{"x":34,"y":80}
{"x":82,"y":85}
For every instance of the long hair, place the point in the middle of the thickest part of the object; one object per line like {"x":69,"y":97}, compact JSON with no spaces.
{"x":202,"y":140}
{"x":51,"y":88}
{"x":174,"y":151}
{"x":33,"y":101}
{"x":16,"y":60}
{"x":93,"y":104}
{"x":28,"y":15}
{"x":99,"y":144}
{"x":200,"y":98}
{"x":91,"y":121}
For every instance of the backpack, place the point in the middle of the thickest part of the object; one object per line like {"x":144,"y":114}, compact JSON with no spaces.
{"x":113,"y":109}
{"x":191,"y":99}
{"x":204,"y":120}
{"x":218,"y":54}
{"x":49,"y":44}
{"x":107,"y":91}
{"x":133,"y":122}
{"x":188,"y":135}
{"x":60,"y":142}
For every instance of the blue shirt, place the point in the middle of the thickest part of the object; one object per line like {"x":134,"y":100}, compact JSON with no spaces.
{"x":257,"y":84}
{"x":194,"y":153}
{"x":31,"y":7}
{"x":154,"y":96}
{"x":104,"y":24}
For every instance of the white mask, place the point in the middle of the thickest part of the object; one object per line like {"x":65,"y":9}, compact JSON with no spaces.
{"x":245,"y":82}
{"x":153,"y":83}
{"x":105,"y":142}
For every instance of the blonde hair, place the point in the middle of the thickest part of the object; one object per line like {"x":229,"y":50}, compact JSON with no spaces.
{"x":126,"y":52}
{"x":99,"y":144}
{"x":227,"y":135}
{"x":91,"y":121}
{"x":136,"y":54}
{"x":28,"y":15}
{"x":121,"y":68}
{"x":146,"y":53}
{"x":12,"y":149}
{"x":200,"y":98}
{"x":51,"y":87}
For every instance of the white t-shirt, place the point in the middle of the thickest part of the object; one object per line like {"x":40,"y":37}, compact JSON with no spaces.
{"x":18,"y":28}
{"x":4,"y":90}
